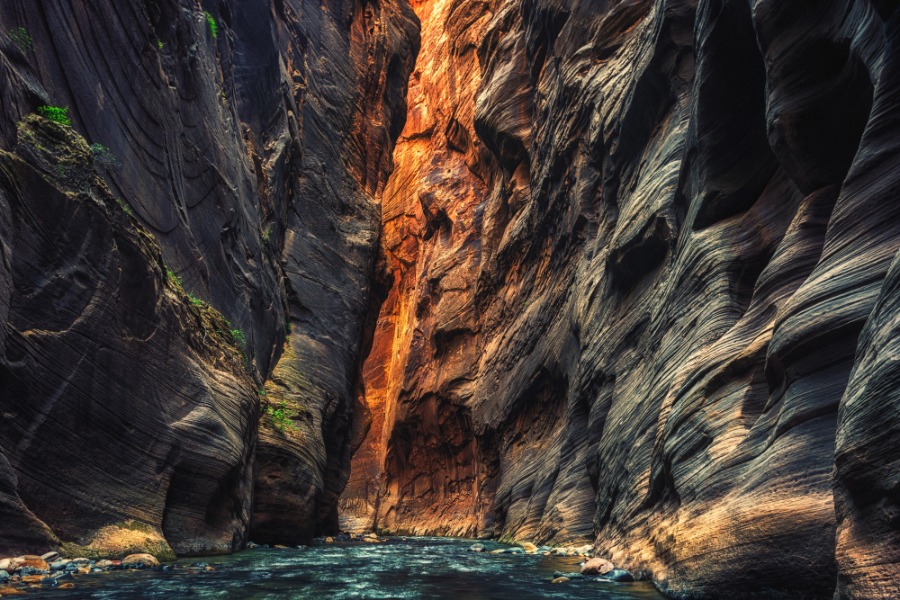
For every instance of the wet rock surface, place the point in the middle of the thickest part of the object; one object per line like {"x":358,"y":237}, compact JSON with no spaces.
{"x":207,"y":222}
{"x":642,"y":291}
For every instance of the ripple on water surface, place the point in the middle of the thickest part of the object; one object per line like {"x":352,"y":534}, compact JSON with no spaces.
{"x":421,"y":568}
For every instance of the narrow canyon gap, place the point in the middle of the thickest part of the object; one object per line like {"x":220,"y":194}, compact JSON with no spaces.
{"x":613,"y":271}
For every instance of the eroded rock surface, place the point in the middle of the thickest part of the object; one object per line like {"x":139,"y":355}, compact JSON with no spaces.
{"x":212,"y":210}
{"x":633,"y":246}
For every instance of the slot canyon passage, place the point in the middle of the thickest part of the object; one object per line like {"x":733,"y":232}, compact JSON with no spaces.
{"x":607,"y":272}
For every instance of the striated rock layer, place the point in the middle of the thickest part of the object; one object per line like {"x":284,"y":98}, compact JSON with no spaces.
{"x":640,"y":255}
{"x":209,"y":221}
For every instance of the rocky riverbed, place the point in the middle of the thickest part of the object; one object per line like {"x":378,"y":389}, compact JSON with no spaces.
{"x":344,"y":567}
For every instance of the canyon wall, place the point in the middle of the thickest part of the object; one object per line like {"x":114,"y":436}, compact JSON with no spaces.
{"x":639,"y":255}
{"x":208,"y":223}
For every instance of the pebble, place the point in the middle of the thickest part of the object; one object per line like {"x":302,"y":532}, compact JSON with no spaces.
{"x":280,"y":547}
{"x":140,"y":561}
{"x":109,"y":564}
{"x":329,"y":540}
{"x":476,"y":548}
{"x":560,"y":580}
{"x":251,"y":545}
{"x":58,"y":565}
{"x":67,"y":586}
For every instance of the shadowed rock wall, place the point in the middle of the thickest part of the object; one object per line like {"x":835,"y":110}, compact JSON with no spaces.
{"x":633,"y":248}
{"x":238,"y":151}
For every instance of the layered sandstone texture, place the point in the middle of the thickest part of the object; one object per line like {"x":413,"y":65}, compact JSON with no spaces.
{"x":195,"y":250}
{"x":640,"y":256}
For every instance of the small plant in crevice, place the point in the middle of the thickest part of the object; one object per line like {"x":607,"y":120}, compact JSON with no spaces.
{"x":104,"y":156}
{"x":213,"y":25}
{"x":57,"y":114}
{"x":159,"y":44}
{"x":239,"y":338}
{"x":280,"y":417}
{"x":196,"y":301}
{"x":173,"y":278}
{"x":21,"y":38}
{"x":267,"y":234}
{"x":124,"y":206}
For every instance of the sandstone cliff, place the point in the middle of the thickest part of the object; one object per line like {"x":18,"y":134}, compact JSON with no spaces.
{"x":632,"y":280}
{"x":633,"y":246}
{"x":220,"y":228}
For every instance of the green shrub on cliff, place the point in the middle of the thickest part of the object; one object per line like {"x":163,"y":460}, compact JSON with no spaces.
{"x":104,"y":156}
{"x":238,"y":336}
{"x":57,"y":114}
{"x":20,"y":37}
{"x":213,"y":26}
{"x":280,"y":417}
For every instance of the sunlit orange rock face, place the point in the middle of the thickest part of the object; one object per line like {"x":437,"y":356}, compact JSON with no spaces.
{"x":631,"y":247}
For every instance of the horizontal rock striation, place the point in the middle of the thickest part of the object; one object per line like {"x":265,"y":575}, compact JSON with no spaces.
{"x":642,"y":291}
{"x":208,"y":222}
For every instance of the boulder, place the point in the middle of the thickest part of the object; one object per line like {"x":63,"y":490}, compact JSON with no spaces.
{"x":140,"y":561}
{"x":597,"y":566}
{"x":619,"y":575}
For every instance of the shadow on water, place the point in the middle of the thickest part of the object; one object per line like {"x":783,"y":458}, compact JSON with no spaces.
{"x":420,"y":568}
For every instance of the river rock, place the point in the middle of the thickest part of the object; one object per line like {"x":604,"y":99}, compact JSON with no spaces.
{"x":568,"y":575}
{"x":4,"y":576}
{"x":35,"y":564}
{"x":476,"y":548}
{"x":560,"y":580}
{"x":140,"y":561}
{"x":58,"y":565}
{"x":597,"y":566}
{"x":619,"y":575}
{"x":50,"y":556}
{"x":528,"y":547}
{"x":11,"y":591}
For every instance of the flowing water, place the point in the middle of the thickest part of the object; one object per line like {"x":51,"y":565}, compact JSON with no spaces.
{"x":421,"y":568}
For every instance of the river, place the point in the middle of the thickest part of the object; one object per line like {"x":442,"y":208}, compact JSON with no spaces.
{"x":415,"y":568}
